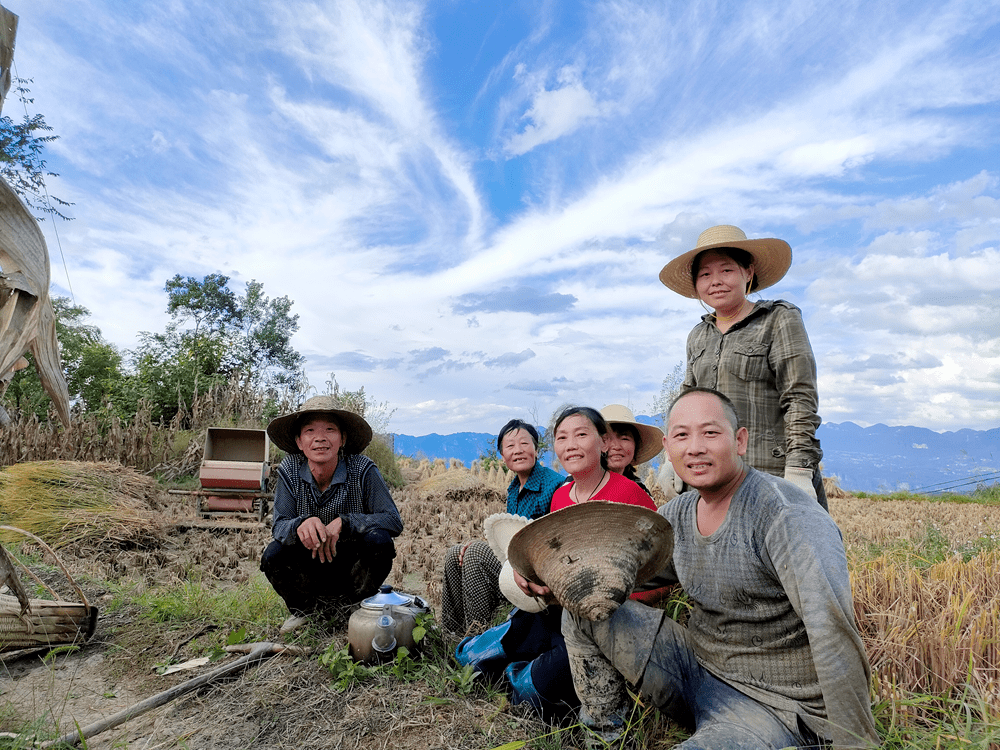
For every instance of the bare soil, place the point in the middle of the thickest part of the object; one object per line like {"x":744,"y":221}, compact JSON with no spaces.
{"x":286,"y":701}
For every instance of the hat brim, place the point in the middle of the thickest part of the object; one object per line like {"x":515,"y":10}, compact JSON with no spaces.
{"x":650,"y":439}
{"x":771,"y":260}
{"x":513,"y":594}
{"x":500,"y":529}
{"x":586,"y":553}
{"x":284,"y":430}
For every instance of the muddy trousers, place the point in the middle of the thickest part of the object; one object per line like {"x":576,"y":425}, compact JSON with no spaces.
{"x":639,"y":644}
{"x":307,"y":585}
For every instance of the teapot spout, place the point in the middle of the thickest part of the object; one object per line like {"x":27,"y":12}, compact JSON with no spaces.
{"x":384,"y":642}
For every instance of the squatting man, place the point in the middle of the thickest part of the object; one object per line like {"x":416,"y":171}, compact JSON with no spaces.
{"x":771,"y":656}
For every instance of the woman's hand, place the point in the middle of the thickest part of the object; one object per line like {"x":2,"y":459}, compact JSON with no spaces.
{"x":461,"y":553}
{"x":531,"y":589}
{"x":320,"y":538}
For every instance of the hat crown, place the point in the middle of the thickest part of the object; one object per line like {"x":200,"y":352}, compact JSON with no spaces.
{"x":721,"y":233}
{"x":617,"y":413}
{"x":319,"y":403}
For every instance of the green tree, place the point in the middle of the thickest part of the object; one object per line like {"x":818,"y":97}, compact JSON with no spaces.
{"x":262,"y":354}
{"x":21,"y":164}
{"x":246,"y":337}
{"x":209,"y":302}
{"x":172,"y":367}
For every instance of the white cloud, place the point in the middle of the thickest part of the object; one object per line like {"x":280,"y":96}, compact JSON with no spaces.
{"x":328,"y":152}
{"x":554,"y":113}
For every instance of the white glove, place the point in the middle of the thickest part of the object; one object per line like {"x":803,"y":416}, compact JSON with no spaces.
{"x":802,"y":478}
{"x":678,"y":482}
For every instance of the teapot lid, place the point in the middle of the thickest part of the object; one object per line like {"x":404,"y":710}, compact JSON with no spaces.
{"x":385,"y":596}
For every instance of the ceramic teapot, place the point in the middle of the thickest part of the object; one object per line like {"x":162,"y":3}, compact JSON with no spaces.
{"x":382,"y":624}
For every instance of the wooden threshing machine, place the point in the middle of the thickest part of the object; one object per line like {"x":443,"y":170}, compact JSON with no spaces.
{"x":234,"y":472}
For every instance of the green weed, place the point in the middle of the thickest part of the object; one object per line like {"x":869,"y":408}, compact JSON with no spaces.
{"x":253,"y":603}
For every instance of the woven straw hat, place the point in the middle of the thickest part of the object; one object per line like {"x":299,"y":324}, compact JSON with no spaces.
{"x":771,"y":258}
{"x":284,"y":429}
{"x":500,"y":529}
{"x":650,"y":436}
{"x":592,"y":555}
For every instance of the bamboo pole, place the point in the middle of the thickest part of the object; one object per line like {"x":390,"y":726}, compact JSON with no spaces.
{"x":258,"y":653}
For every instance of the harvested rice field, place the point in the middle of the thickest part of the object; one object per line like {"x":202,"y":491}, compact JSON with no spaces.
{"x":171,"y":591}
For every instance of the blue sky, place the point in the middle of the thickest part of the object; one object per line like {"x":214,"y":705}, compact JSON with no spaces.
{"x":469,"y":202}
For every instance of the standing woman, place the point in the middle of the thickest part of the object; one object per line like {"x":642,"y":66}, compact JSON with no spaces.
{"x":470,"y":591}
{"x":756,"y":353}
{"x":630,"y":443}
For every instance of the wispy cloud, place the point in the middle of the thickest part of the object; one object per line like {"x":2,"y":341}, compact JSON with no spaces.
{"x":472,"y":227}
{"x":554,"y":112}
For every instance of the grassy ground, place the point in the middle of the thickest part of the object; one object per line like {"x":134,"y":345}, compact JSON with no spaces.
{"x":197,"y":591}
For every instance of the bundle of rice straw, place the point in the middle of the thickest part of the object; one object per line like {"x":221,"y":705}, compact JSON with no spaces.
{"x":81,"y":504}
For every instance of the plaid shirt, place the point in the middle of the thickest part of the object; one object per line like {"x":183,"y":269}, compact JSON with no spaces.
{"x":764,"y":363}
{"x":533,"y":500}
{"x":357,"y":493}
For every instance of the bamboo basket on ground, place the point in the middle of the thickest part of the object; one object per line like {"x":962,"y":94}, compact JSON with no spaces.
{"x":40,"y":623}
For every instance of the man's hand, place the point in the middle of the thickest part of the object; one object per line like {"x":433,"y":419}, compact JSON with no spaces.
{"x":320,"y":538}
{"x":531,"y":589}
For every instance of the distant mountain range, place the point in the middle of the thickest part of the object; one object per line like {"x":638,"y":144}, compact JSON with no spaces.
{"x":864,"y":459}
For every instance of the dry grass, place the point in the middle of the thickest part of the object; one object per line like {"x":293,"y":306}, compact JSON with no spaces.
{"x":442,"y":509}
{"x":139,"y":442}
{"x":866,"y":522}
{"x":931,"y":632}
{"x":290,"y":704}
{"x":84,"y":505}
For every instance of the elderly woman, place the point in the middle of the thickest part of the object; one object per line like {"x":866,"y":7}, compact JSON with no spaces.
{"x":756,"y":353}
{"x":528,"y":651}
{"x":334,"y":519}
{"x":470,"y":592}
{"x":630,"y":443}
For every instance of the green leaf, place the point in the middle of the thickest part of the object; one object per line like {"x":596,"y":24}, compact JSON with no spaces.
{"x":435,"y":701}
{"x":237,"y":636}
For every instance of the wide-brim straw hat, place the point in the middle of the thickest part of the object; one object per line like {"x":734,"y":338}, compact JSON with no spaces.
{"x":592,"y":555}
{"x":650,"y":436}
{"x":284,"y":429}
{"x":771,"y":258}
{"x":500,"y":529}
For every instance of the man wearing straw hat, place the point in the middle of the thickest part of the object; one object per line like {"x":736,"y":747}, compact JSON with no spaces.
{"x":771,"y":656}
{"x":334,"y":519}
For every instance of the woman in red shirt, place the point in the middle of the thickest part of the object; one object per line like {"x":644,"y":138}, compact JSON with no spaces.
{"x":580,"y":439}
{"x":527,"y":651}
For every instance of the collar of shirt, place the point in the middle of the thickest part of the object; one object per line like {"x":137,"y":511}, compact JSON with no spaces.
{"x":534,"y":483}
{"x":758,"y":308}
{"x":339,"y":475}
